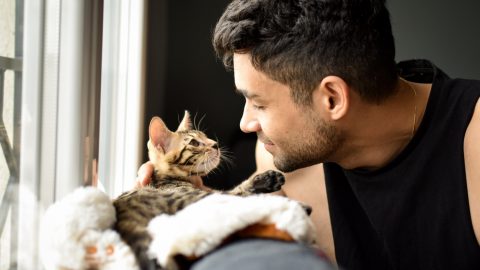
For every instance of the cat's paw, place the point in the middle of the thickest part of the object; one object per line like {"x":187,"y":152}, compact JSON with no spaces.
{"x":308,"y":209}
{"x":268,"y":181}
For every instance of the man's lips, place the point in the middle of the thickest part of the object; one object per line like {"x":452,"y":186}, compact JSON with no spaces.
{"x":264,"y":140}
{"x":267,"y":144}
{"x":269,"y":147}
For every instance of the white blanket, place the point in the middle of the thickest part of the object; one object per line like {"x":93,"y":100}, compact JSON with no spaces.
{"x":201,"y":227}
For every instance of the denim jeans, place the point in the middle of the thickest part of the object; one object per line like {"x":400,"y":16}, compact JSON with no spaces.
{"x":262,"y":254}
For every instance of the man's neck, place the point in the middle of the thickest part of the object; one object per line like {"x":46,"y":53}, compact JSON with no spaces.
{"x":377,"y":134}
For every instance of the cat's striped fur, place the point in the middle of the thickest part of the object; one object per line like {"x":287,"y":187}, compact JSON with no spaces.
{"x":176,"y":156}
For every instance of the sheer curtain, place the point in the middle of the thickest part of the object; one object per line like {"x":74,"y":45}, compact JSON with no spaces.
{"x":81,"y":104}
{"x":121,"y":114}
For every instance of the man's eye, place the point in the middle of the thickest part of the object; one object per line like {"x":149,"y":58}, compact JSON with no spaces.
{"x":194,"y":143}
{"x":257,"y":107}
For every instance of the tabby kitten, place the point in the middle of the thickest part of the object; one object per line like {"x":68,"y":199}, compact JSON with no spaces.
{"x":175,"y":156}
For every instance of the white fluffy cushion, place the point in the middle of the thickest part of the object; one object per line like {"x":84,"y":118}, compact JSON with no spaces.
{"x":202,"y":226}
{"x":67,"y":221}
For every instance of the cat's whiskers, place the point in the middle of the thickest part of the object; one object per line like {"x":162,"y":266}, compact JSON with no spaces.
{"x":194,"y":121}
{"x":196,"y":125}
{"x":200,"y":122}
{"x":201,"y":161}
{"x":225,"y":154}
{"x":205,"y":166}
{"x":206,"y":162}
{"x":226,"y":158}
{"x":215,"y":170}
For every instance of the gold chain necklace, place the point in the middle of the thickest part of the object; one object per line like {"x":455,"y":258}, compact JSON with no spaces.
{"x":415,"y":105}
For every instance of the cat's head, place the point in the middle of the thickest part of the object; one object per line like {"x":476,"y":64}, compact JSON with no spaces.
{"x":183,"y":152}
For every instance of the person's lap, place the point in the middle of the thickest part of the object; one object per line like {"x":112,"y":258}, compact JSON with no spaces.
{"x":262,"y":254}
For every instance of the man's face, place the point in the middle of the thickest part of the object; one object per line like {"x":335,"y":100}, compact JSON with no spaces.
{"x":295,"y":135}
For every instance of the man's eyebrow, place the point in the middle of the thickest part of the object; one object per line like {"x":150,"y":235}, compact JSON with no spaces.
{"x":245,"y":93}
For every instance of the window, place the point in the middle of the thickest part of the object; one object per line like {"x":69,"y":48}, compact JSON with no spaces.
{"x":65,"y":89}
{"x":11,"y":26}
{"x":121,"y":116}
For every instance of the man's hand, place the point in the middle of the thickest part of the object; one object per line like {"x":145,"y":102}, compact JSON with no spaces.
{"x":144,"y":175}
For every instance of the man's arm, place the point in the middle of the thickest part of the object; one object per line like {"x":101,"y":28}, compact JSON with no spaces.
{"x":472,"y":160}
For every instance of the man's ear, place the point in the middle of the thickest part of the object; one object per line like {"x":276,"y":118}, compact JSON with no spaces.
{"x":333,"y":95}
{"x":159,"y":134}
{"x":186,"y":123}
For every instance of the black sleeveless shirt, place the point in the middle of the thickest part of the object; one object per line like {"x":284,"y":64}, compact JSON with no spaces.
{"x":413,"y":213}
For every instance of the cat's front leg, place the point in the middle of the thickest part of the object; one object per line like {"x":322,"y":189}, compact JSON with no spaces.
{"x":266,"y":182}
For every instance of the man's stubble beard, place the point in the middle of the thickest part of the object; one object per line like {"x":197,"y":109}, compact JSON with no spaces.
{"x":316,"y":146}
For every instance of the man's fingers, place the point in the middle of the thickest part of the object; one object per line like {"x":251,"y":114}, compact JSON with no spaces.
{"x":144,"y":174}
{"x":145,"y":181}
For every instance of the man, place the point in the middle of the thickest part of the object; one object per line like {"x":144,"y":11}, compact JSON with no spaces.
{"x":398,"y":143}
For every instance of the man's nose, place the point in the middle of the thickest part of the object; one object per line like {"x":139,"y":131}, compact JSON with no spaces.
{"x":249,"y":122}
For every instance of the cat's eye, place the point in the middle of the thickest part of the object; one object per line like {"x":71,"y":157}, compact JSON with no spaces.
{"x":194,"y":143}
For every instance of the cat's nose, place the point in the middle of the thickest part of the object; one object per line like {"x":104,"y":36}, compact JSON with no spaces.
{"x":215,"y":146}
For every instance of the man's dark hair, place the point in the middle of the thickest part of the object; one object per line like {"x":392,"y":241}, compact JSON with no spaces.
{"x":300,"y":42}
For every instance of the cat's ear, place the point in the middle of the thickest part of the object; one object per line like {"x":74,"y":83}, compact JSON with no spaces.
{"x":159,"y":134}
{"x":186,"y":123}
